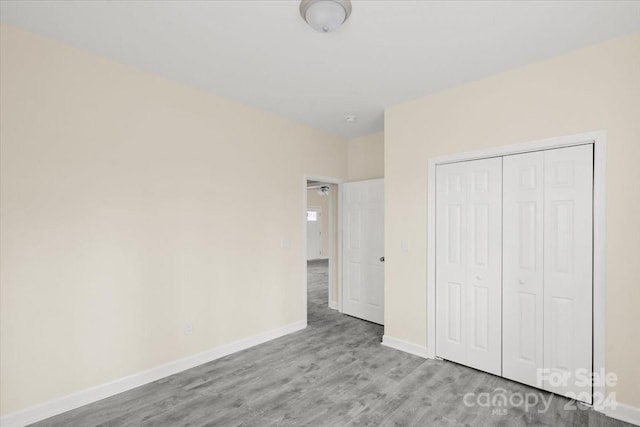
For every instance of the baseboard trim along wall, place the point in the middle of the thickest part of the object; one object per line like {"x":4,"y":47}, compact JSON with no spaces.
{"x":406,"y":346}
{"x":623,"y":412}
{"x":84,"y":397}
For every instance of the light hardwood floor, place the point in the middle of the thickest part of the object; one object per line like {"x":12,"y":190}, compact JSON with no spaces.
{"x":333,"y":373}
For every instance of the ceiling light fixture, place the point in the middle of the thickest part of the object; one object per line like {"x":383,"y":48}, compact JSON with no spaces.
{"x":324,"y":190}
{"x":325,"y":15}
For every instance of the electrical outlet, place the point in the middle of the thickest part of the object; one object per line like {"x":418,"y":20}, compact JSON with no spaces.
{"x":188,"y":328}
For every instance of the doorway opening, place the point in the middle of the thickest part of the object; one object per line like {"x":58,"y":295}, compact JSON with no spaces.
{"x":317,"y":227}
{"x":322,"y":242}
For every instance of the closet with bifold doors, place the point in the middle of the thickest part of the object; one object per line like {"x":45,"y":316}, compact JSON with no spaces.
{"x":514,"y":256}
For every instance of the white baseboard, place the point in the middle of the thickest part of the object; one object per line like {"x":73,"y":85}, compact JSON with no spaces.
{"x":84,"y":397}
{"x":406,"y":346}
{"x":623,"y":412}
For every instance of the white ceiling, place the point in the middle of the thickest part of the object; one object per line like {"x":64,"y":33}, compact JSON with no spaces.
{"x":262,"y":53}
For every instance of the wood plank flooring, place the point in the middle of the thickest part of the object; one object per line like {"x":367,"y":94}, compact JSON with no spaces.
{"x":333,"y":373}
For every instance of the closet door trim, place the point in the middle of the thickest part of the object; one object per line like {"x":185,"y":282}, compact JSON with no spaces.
{"x":599,"y":141}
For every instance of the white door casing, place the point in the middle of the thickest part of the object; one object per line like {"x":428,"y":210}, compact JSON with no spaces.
{"x":568,"y":270}
{"x":314,"y":233}
{"x":468,"y":263}
{"x":363,"y":248}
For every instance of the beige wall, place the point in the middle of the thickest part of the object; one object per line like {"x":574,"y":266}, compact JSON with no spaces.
{"x":126,"y":213}
{"x":366,"y":157}
{"x":586,"y":90}
{"x":322,"y":202}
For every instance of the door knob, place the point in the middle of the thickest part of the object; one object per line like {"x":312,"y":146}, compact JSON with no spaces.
{"x":381,"y":259}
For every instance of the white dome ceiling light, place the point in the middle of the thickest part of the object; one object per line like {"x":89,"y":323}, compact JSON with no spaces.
{"x":325,"y":15}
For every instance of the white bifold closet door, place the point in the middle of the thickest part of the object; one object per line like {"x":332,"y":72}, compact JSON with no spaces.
{"x":468,"y":263}
{"x":547,"y":306}
{"x":523,"y":261}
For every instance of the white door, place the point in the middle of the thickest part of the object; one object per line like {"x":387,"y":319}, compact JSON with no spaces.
{"x":468,"y":263}
{"x":568,"y":281}
{"x":547,"y":303}
{"x":522,"y":321}
{"x":314,"y":233}
{"x":363,"y":250}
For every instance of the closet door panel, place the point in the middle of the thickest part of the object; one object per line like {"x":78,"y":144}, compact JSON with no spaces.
{"x":484,"y":265}
{"x":451,"y":259}
{"x":522,"y":321}
{"x":468,"y":263}
{"x":568,"y":251}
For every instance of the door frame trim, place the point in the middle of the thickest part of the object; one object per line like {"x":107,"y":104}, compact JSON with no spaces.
{"x":333,"y":258}
{"x":599,"y":141}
